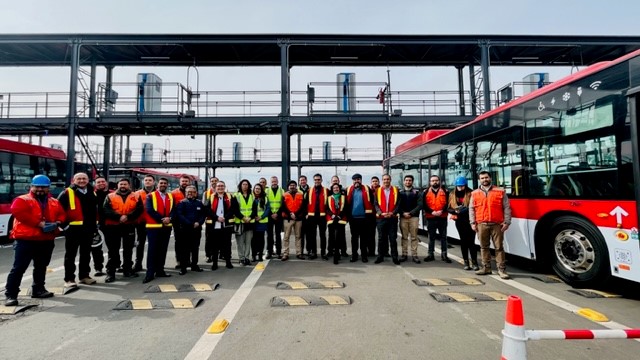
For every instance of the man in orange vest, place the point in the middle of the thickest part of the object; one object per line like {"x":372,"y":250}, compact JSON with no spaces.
{"x":141,"y":228}
{"x":293,"y":212}
{"x":490,"y":217}
{"x":179,"y":194}
{"x":316,"y":199}
{"x":435,"y":212}
{"x":360,"y":204}
{"x":80,"y":204}
{"x":36,"y":217}
{"x":159,"y":209}
{"x":122,"y":210}
{"x":387,"y":202}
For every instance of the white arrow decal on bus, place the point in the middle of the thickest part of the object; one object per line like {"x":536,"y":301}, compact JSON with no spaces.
{"x":619,"y":213}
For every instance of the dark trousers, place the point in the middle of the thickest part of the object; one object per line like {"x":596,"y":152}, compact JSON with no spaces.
{"x":467,"y":235}
{"x":177,"y":236}
{"x":189,"y":246}
{"x":303,"y":237}
{"x":277,"y":224}
{"x":370,"y":238}
{"x":359,"y":230}
{"x":319,"y":222}
{"x":77,"y":237}
{"x":388,"y":235}
{"x":337,"y":239}
{"x":208,"y":240}
{"x":257,"y":243}
{"x":117,"y":235}
{"x":24,"y":251}
{"x":438,"y":225}
{"x":221,"y":241}
{"x":157,"y":250}
{"x":141,"y":237}
{"x":98,"y":257}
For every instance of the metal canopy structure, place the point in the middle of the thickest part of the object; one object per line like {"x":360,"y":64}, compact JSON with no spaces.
{"x":309,"y":49}
{"x":284,"y":51}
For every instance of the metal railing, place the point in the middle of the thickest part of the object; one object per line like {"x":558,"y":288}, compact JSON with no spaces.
{"x":38,"y":104}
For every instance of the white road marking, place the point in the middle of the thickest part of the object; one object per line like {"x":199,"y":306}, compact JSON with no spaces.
{"x":207,"y":343}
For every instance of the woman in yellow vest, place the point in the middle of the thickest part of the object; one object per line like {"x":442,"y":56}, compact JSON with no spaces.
{"x":242,"y":206}
{"x":260,"y":212}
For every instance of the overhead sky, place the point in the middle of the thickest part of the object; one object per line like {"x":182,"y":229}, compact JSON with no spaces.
{"x":426,"y":17}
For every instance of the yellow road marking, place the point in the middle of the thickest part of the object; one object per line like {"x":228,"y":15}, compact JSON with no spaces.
{"x":335,"y":300}
{"x":459,"y":297}
{"x":592,"y":315}
{"x":294,"y":300}
{"x":218,"y":326}
{"x":437,"y":282}
{"x":167,"y":288}
{"x":141,"y":304}
{"x":181,"y":303}
{"x":296,"y":285}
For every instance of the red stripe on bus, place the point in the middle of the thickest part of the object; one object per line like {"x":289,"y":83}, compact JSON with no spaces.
{"x":596,"y":211}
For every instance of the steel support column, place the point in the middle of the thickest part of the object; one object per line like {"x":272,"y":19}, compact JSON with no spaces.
{"x":92,"y":91}
{"x":213,"y":143}
{"x":73,"y":109}
{"x":472,"y":88}
{"x":461,"y":112}
{"x":484,"y":63}
{"x":299,"y":155}
{"x":285,"y":111}
{"x":105,"y":157}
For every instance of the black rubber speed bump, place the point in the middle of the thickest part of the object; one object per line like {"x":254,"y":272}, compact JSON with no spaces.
{"x":469,"y":296}
{"x":447,"y":282}
{"x":12,"y":310}
{"x":297,"y":285}
{"x":170,"y":288}
{"x":55,"y":290}
{"x":594,"y":294}
{"x":311,"y":300}
{"x":148,"y":304}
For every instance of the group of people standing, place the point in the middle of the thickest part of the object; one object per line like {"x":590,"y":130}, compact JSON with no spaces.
{"x":129,"y":219}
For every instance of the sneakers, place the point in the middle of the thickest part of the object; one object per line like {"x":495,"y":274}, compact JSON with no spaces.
{"x":466,"y":265}
{"x":70,"y":284}
{"x":11,"y":301}
{"x":474,"y":266}
{"x":484,"y":271}
{"x":503,"y":275}
{"x":87,"y":281}
{"x":41,"y":294}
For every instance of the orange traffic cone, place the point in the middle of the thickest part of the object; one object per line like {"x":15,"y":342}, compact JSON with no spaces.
{"x":514,"y":341}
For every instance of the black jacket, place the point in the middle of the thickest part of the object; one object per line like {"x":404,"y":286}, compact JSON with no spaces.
{"x":189,"y":212}
{"x":88,"y":202}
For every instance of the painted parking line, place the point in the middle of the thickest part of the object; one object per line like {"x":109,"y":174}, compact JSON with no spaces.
{"x":152,"y":304}
{"x":171,"y":288}
{"x":447,"y":282}
{"x":469,"y":296}
{"x":311,"y":300}
{"x":298,"y":285}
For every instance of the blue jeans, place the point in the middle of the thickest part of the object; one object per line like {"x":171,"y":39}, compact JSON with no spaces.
{"x":24,"y":251}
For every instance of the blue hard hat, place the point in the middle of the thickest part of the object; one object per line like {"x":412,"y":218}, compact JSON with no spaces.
{"x":41,"y":180}
{"x":461,"y":181}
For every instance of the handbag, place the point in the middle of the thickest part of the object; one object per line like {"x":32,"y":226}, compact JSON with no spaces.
{"x":238,"y":229}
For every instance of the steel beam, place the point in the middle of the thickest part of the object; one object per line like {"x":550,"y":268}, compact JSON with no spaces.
{"x":73,"y":110}
{"x":460,"y":91}
{"x":484,"y":63}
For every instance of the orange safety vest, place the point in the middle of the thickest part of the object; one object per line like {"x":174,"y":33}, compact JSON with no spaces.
{"x":368,"y":204}
{"x":142,"y":194}
{"x":122,"y":207}
{"x":337,"y":209}
{"x":436,"y":202}
{"x":382,"y":201}
{"x":178,"y":195}
{"x":161,"y":207}
{"x":312,"y":201}
{"x":28,"y":205}
{"x":488,"y":208}
{"x":293,"y":203}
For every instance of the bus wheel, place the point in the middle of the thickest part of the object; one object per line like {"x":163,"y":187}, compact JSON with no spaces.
{"x":580,"y":255}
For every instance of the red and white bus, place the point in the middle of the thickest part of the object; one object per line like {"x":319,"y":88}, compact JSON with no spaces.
{"x":19,"y":162}
{"x":567,"y":155}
